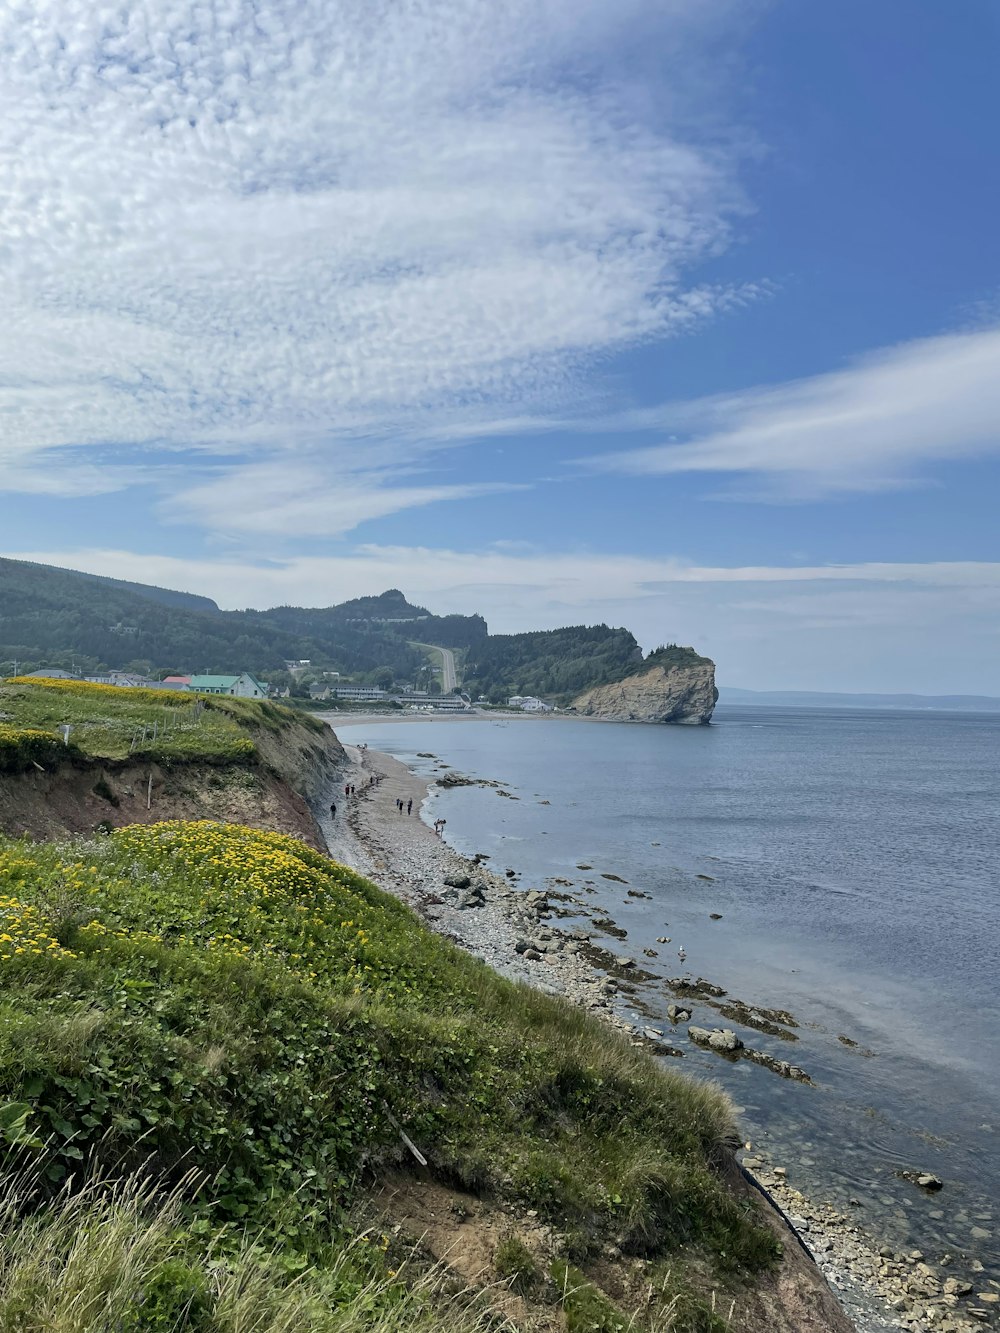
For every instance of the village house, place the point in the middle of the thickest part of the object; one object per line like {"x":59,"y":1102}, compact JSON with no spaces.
{"x":243,"y":686}
{"x":527,"y":703}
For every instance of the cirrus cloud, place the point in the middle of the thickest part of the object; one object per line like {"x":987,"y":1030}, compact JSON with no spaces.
{"x":868,"y":427}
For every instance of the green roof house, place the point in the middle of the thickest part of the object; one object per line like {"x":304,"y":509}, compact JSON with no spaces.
{"x":243,"y":686}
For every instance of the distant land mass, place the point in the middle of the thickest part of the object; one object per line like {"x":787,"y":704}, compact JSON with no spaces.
{"x":968,"y":703}
{"x":59,"y":618}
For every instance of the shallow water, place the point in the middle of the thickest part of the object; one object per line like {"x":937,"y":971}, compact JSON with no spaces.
{"x":853,"y":858}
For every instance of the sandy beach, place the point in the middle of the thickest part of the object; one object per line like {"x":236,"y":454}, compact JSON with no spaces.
{"x":515,"y":929}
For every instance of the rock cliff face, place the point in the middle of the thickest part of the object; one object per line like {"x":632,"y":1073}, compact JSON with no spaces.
{"x":679,"y":694}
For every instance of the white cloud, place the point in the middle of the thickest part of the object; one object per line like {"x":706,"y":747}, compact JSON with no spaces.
{"x":298,"y":224}
{"x":867,"y":427}
{"x":930,"y":628}
{"x":279,"y":499}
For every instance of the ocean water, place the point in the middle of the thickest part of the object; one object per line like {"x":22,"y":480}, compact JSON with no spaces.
{"x":854,"y":858}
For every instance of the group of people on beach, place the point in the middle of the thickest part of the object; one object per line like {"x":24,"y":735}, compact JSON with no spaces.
{"x":350,"y":789}
{"x":400,"y":803}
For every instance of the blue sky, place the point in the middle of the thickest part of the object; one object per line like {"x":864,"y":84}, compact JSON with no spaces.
{"x":684,"y":316}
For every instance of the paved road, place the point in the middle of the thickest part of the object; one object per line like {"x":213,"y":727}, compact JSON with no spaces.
{"x":448,"y":678}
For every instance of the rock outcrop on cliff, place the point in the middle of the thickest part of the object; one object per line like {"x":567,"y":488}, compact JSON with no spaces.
{"x":660,"y":692}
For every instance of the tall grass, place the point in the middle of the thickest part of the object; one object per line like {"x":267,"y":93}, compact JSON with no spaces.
{"x":109,"y":722}
{"x":117,"y":1257}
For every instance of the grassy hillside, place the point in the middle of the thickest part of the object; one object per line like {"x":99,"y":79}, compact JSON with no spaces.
{"x":254,"y":1027}
{"x":112,"y":723}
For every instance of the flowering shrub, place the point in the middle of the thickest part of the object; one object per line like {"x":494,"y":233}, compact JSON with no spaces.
{"x":208,"y":997}
{"x":21,"y":747}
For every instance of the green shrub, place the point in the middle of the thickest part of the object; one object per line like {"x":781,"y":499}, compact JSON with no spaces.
{"x":586,"y":1308}
{"x":22,"y":747}
{"x":514,"y":1261}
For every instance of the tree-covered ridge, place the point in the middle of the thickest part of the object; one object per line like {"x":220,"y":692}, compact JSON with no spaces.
{"x":56,"y":617}
{"x":553,"y":663}
{"x":388,"y":617}
{"x":560,"y":663}
{"x":60,"y":618}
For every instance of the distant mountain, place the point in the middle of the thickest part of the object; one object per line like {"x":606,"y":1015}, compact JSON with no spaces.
{"x":389,"y":612}
{"x":190,"y":601}
{"x":60,"y":618}
{"x":970,"y":703}
{"x":48,"y":575}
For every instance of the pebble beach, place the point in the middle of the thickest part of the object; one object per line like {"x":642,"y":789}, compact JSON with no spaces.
{"x":516,"y":930}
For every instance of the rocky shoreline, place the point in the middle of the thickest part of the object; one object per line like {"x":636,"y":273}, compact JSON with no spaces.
{"x":517,"y":933}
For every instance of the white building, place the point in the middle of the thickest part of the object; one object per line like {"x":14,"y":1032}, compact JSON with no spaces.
{"x":527,"y":703}
{"x":356,"y":693}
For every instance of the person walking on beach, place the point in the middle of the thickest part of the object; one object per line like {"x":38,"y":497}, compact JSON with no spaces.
{"x":409,"y":805}
{"x":333,"y":809}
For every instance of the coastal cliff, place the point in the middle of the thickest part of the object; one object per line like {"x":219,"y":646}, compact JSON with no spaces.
{"x":232,"y":760}
{"x":661,"y":691}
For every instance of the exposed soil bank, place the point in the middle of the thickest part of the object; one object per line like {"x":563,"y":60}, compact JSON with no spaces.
{"x":281,"y":789}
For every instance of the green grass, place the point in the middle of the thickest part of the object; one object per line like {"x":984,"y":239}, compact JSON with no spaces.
{"x":434,"y":657}
{"x":212,"y":999}
{"x":515,"y":1262}
{"x":109,"y":722}
{"x":586,"y":1308}
{"x":122,"y":1258}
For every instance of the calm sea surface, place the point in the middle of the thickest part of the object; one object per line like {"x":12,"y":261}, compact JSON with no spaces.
{"x":855,"y":859}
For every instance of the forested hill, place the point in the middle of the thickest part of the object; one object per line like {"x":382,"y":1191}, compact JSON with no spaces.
{"x":53,"y":617}
{"x":559,"y":663}
{"x":390,"y":613}
{"x":60,"y":618}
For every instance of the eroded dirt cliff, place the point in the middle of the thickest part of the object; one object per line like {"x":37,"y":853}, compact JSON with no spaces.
{"x":291,"y":775}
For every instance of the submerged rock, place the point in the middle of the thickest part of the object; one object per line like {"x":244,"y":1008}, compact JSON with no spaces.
{"x":925,"y":1179}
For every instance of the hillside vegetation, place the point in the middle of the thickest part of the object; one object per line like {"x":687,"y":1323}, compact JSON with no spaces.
{"x":111,"y":723}
{"x":252,"y":1028}
{"x":57,"y":618}
{"x":559,"y":663}
{"x":60,"y":618}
